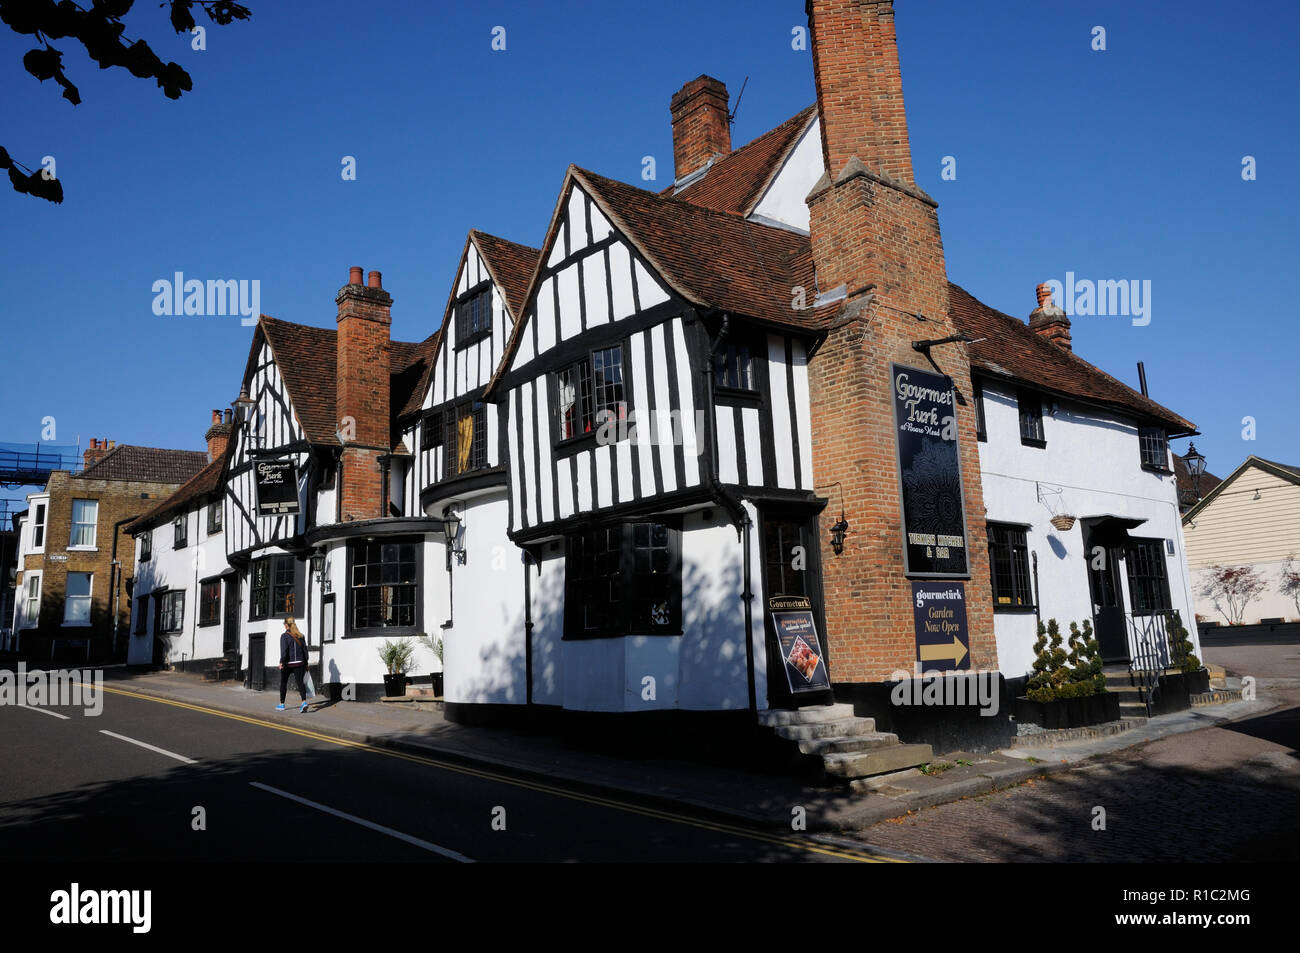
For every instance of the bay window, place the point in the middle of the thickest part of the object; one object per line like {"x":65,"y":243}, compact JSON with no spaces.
{"x":623,"y":579}
{"x":384,"y":586}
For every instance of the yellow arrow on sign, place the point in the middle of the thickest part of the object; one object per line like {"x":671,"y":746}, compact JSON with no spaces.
{"x":956,"y":651}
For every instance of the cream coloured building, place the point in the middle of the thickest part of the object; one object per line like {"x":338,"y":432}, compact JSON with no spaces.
{"x":1251,"y":519}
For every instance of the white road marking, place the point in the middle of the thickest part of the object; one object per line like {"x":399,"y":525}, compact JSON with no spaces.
{"x":43,"y":711}
{"x":163,"y":751}
{"x":423,"y":844}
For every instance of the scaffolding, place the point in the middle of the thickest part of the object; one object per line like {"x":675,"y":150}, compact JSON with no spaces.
{"x":30,"y":464}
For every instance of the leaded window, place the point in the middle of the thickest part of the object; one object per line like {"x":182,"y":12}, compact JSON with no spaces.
{"x":623,"y":579}
{"x":590,"y":393}
{"x":1009,"y":567}
{"x":384,"y":585}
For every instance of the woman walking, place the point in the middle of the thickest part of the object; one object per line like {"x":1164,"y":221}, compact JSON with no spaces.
{"x":293,"y":659}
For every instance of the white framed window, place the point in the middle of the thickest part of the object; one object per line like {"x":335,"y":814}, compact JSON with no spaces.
{"x":31,"y":599}
{"x":38,"y":527}
{"x":85,"y":516}
{"x":76,"y":606}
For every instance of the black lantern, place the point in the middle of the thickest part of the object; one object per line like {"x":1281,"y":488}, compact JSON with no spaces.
{"x":837,"y":534}
{"x":1195,"y":467}
{"x":318,"y":562}
{"x":451,"y":529}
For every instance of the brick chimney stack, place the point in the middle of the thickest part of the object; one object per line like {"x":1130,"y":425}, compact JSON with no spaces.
{"x":362,"y":388}
{"x":876,"y":234}
{"x":97,"y":450}
{"x":218,"y":435}
{"x":1048,"y":320}
{"x":701,"y":127}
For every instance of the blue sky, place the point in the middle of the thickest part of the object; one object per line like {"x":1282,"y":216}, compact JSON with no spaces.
{"x":1116,"y":164}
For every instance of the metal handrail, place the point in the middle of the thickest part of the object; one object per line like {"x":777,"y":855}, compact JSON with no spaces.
{"x":1147,"y":637}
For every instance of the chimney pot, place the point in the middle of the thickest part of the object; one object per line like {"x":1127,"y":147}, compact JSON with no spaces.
{"x":354,"y":275}
{"x":216,"y":416}
{"x":376,"y":280}
{"x":112,"y":444}
{"x":1044,"y":294}
{"x":1048,"y":320}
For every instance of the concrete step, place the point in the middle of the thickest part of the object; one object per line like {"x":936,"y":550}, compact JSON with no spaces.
{"x":845,"y":744}
{"x":826,"y":729}
{"x":862,"y":764}
{"x":1134,"y":709}
{"x":804,"y":716}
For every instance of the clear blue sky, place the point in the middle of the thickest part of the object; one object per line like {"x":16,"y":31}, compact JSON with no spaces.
{"x":1122,"y":164}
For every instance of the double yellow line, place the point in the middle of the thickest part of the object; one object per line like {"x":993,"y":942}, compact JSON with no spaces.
{"x":780,"y":840}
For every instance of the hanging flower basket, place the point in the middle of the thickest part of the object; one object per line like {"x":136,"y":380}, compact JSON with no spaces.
{"x":1063,"y":523}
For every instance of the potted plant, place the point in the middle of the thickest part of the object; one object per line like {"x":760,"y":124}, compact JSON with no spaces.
{"x":1189,"y":677}
{"x":1067,"y":689}
{"x":396,"y":657}
{"x":434,"y":646}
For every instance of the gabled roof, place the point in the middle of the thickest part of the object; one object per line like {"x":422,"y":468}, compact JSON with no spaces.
{"x":198,"y":489}
{"x":145,"y":465}
{"x":511,"y":266}
{"x":307,"y":359}
{"x":1010,"y":349}
{"x":1282,"y":471}
{"x":711,"y":259}
{"x":736,"y":182}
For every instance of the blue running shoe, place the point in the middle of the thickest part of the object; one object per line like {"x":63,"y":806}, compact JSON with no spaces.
{"x":303,"y":708}
{"x":279,"y":708}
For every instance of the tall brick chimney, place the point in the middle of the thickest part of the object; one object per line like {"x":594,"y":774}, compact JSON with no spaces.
{"x":1048,"y":320}
{"x":875,"y":233}
{"x":701,"y":129}
{"x":362,"y":392}
{"x":218,"y":435}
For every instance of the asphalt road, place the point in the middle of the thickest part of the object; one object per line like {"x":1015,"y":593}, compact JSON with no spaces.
{"x":87,"y":788}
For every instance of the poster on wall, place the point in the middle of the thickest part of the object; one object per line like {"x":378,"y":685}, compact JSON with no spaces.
{"x":942,"y":640}
{"x":277,"y":487}
{"x":929,"y":472}
{"x":797,"y":641}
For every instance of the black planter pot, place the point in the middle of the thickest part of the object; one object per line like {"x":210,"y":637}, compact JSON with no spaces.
{"x":1069,"y":712}
{"x":437,"y":684}
{"x":1198,"y":682}
{"x":395,"y":685}
{"x":1175,"y":694}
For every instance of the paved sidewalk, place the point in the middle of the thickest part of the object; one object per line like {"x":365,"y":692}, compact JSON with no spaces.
{"x":756,"y":799}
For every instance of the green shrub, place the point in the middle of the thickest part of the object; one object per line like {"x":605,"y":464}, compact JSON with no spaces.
{"x":1180,"y":646}
{"x":1050,"y":672}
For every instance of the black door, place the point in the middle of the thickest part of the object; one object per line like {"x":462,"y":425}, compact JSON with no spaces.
{"x":791,"y":567}
{"x":256,"y":677}
{"x":1107,"y":605}
{"x":230,"y":634}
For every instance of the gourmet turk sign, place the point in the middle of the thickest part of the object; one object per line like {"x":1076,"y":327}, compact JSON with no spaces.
{"x":277,"y":487}
{"x":929,"y":470}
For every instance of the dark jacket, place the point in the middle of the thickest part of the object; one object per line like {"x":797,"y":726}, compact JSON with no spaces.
{"x":292,"y":652}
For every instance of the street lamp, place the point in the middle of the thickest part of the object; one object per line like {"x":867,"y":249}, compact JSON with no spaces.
{"x":1195,"y":467}
{"x":451,"y":530}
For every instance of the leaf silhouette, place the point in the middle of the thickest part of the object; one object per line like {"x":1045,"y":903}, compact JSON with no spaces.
{"x":42,"y":63}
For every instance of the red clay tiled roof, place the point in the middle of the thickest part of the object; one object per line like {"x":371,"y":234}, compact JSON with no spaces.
{"x":145,"y":465}
{"x":411,"y":375}
{"x":737,"y":181}
{"x":511,"y":265}
{"x":202,"y":485}
{"x":307,"y":361}
{"x":714,"y":259}
{"x":1012,"y":350}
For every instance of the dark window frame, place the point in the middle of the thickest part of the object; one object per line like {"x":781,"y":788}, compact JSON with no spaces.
{"x":207,"y":603}
{"x":1147,"y":577}
{"x":1153,"y":449}
{"x":981,"y":422}
{"x":431,"y":430}
{"x":145,"y":545}
{"x":349,"y":629}
{"x":142,"y":616}
{"x":1029,"y":407}
{"x":216,"y":518}
{"x":478,"y":451}
{"x":473,"y":313}
{"x":627,"y":615}
{"x":1010,"y":573}
{"x":734,"y":375}
{"x":262,"y":593}
{"x":181,"y":531}
{"x":171,"y":612}
{"x":590,"y":409}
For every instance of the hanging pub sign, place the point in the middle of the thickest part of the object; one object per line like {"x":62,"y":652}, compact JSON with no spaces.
{"x":929,"y":471}
{"x":797,"y":641}
{"x":942,"y":640}
{"x":277,"y":487}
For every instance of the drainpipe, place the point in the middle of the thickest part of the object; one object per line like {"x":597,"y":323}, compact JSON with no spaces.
{"x":739,"y":515}
{"x":385,"y":463}
{"x":114,"y":575}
